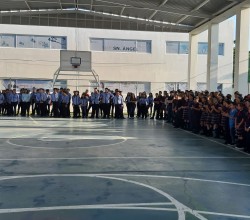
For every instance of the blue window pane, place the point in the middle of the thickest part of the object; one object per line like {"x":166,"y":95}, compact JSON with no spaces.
{"x":172,"y":47}
{"x":202,"y":48}
{"x":184,"y":48}
{"x":221,"y":49}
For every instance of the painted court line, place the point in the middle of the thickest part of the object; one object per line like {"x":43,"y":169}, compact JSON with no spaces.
{"x":224,"y":214}
{"x":8,"y":211}
{"x":124,"y":139}
{"x":121,"y":175}
{"x":182,"y":209}
{"x":122,"y":158}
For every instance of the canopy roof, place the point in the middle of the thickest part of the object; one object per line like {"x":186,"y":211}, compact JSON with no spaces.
{"x":147,"y":15}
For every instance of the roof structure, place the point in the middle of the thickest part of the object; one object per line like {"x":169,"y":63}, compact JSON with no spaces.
{"x":143,"y":15}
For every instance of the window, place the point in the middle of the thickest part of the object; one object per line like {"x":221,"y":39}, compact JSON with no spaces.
{"x":172,"y":47}
{"x":31,"y":41}
{"x":182,"y":47}
{"x":7,"y":40}
{"x":96,"y":44}
{"x":203,"y":48}
{"x":119,"y":45}
{"x":25,"y":41}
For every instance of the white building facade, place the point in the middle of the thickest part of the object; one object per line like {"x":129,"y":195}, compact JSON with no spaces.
{"x":128,"y":60}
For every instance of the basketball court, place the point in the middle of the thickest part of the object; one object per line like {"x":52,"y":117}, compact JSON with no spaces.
{"x":117,"y":169}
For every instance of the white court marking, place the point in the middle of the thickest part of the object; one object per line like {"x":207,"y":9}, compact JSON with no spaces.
{"x":180,"y":208}
{"x":115,"y":177}
{"x":123,"y":140}
{"x":122,"y":158}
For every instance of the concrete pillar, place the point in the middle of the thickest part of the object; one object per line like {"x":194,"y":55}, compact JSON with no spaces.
{"x":192,"y":62}
{"x":241,"y":51}
{"x":212,"y":57}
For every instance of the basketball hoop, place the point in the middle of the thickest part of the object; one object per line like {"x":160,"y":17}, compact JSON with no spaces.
{"x":76,"y":62}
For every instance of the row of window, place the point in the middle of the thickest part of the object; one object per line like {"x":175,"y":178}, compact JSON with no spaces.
{"x":145,"y":46}
{"x":32,"y":41}
{"x":101,"y":44}
{"x":182,"y":47}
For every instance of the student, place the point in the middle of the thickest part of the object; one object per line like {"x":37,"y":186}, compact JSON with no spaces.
{"x":156,"y":107}
{"x":225,"y":121}
{"x":128,"y":103}
{"x":84,"y":105}
{"x":232,"y":116}
{"x":25,"y":103}
{"x":55,"y":103}
{"x":247,"y":132}
{"x":170,"y":106}
{"x":240,"y":125}
{"x":48,"y":102}
{"x":2,"y":99}
{"x":95,"y":102}
{"x":132,"y":108}
{"x":65,"y":103}
{"x":76,"y":101}
{"x":118,"y":101}
{"x":144,"y":105}
{"x":70,"y":97}
{"x":215,"y":111}
{"x":150,"y":103}
{"x":33,"y":100}
{"x":106,"y":98}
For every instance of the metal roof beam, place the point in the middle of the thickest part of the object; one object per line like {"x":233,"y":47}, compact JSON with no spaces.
{"x":172,"y":27}
{"x":220,"y":18}
{"x":26,"y":2}
{"x":123,"y":8}
{"x":195,"y":9}
{"x":155,"y":12}
{"x":147,"y":6}
{"x":60,"y":3}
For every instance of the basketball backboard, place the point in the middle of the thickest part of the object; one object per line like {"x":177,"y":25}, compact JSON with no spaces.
{"x":75,"y":61}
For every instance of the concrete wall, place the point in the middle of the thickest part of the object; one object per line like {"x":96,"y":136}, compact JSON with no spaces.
{"x":156,"y":68}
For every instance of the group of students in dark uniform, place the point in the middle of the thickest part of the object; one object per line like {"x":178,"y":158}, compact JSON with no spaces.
{"x":210,"y":114}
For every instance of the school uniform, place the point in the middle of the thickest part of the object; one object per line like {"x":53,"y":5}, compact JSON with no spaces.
{"x":64,"y":105}
{"x":2,"y":99}
{"x":68,"y":109}
{"x":43,"y":104}
{"x":55,"y":104}
{"x":33,"y":102}
{"x":76,"y":101}
{"x":150,"y":105}
{"x":156,"y":108}
{"x":48,"y":102}
{"x":19,"y":103}
{"x":132,"y":107}
{"x":225,"y":125}
{"x":118,"y":101}
{"x":25,"y":104}
{"x":241,"y":129}
{"x":8,"y":103}
{"x":247,"y":134}
{"x":14,"y":102}
{"x":144,"y":107}
{"x":106,"y":103}
{"x":95,"y":101}
{"x":232,"y":116}
{"x":128,"y":105}
{"x":84,"y":106}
